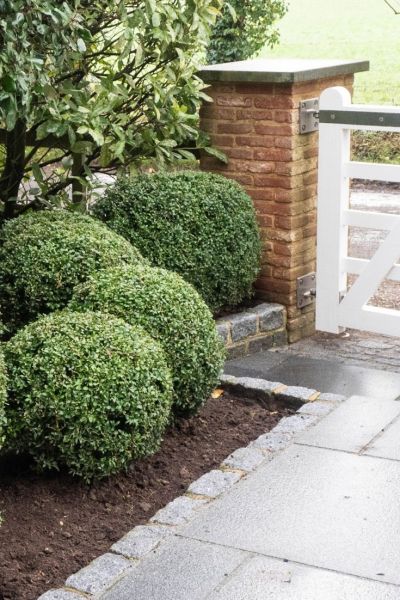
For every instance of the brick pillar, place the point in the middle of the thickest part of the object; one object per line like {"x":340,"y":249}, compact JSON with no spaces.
{"x":254,"y":120}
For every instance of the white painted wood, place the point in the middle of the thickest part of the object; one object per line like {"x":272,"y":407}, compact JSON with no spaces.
{"x":372,"y":171}
{"x":370,"y":219}
{"x":337,"y":307}
{"x":364,"y":128}
{"x":375,"y":319}
{"x":374,"y":108}
{"x":356,"y":266}
{"x":333,"y":199}
{"x":374,"y":273}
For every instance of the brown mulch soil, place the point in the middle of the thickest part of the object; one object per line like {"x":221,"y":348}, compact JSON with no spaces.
{"x":54,"y":524}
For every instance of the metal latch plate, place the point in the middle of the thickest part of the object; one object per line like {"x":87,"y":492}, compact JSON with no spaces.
{"x":309,"y":115}
{"x":306,"y":290}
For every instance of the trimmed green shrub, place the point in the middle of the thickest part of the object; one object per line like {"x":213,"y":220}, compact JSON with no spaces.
{"x":201,"y":225}
{"x":3,"y":397}
{"x":244,"y":28}
{"x":173,"y":313}
{"x":43,"y":255}
{"x":86,"y":391}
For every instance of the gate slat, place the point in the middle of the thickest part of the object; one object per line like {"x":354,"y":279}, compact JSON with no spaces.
{"x":333,"y":185}
{"x":373,"y":171}
{"x":377,"y":269}
{"x":370,"y":219}
{"x":357,"y":265}
{"x":372,"y":318}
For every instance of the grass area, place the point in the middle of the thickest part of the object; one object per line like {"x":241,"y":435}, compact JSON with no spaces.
{"x":347,"y":29}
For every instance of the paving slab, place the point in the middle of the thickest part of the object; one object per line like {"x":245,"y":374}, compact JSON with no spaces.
{"x":329,"y":509}
{"x":331,"y":376}
{"x":352,"y":425}
{"x":140,"y":541}
{"x":255,"y":363}
{"x":99,"y":574}
{"x":263,"y":578}
{"x":180,"y":569}
{"x":387,"y":445}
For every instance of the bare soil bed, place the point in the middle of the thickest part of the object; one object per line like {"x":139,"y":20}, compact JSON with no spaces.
{"x":54,"y":525}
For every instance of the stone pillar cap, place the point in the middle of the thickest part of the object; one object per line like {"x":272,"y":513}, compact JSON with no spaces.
{"x":281,"y":70}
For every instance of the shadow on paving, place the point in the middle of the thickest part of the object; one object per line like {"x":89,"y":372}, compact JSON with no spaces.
{"x":325,"y":375}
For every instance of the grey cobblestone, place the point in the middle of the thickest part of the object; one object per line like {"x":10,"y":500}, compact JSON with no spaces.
{"x":375,"y":345}
{"x":223,"y":331}
{"x":295,"y":423}
{"x":250,"y":386}
{"x":317,"y":408}
{"x":227,"y":379}
{"x":178,"y":511}
{"x":353,"y":348}
{"x":256,"y":328}
{"x":215,"y":482}
{"x":243,"y":326}
{"x":271,"y":316}
{"x":237,"y":351}
{"x":61,"y":595}
{"x":99,"y":574}
{"x":280,"y":338}
{"x":246,"y":459}
{"x":272,"y":441}
{"x":297,"y":393}
{"x":332,"y":398}
{"x":260,"y":344}
{"x":140,"y":541}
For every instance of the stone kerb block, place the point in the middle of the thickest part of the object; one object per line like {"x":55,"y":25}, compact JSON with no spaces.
{"x":253,"y":330}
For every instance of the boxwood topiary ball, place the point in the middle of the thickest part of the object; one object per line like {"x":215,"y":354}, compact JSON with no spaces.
{"x":87,"y":391}
{"x":43,"y":255}
{"x":3,"y":397}
{"x":202,"y":226}
{"x":173,"y":313}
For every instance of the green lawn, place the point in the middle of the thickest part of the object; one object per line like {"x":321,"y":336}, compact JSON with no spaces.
{"x":347,"y":29}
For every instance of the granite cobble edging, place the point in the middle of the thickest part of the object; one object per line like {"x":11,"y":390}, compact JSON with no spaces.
{"x":269,"y":393}
{"x":253,"y":330}
{"x":102,"y":573}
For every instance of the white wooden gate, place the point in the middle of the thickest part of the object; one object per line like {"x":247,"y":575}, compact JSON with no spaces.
{"x":337,"y":306}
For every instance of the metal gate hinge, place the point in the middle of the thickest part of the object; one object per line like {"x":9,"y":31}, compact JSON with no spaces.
{"x":308,"y":110}
{"x":306,"y":290}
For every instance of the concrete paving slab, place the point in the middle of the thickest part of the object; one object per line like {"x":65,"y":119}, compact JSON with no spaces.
{"x":323,"y":375}
{"x":263,"y":578}
{"x":352,"y":425}
{"x":388,"y":444}
{"x":319,"y":507}
{"x":259,"y":362}
{"x":179,"y":569}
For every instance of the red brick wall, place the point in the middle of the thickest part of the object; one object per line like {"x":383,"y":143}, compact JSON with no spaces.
{"x":256,"y":125}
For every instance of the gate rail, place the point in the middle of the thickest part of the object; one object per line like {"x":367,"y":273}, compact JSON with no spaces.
{"x":338,"y":307}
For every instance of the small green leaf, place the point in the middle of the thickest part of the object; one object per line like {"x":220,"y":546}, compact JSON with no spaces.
{"x":216,"y":153}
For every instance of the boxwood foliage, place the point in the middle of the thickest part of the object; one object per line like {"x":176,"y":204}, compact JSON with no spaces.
{"x":173,"y":313}
{"x":86,"y":391}
{"x":43,"y":255}
{"x":3,"y":397}
{"x":200,"y":225}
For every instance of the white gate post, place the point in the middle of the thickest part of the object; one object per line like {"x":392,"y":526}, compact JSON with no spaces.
{"x":333,"y":199}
